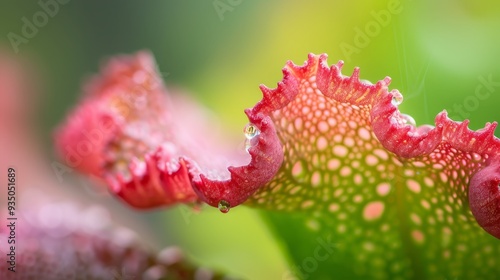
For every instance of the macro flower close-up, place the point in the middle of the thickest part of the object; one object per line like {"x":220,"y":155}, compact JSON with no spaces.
{"x":160,"y":140}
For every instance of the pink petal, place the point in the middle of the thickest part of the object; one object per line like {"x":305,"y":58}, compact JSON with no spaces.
{"x":116,"y":134}
{"x":312,"y":120}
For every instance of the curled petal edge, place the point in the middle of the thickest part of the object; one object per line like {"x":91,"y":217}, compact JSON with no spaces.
{"x":396,"y":133}
{"x":266,"y":159}
{"x":157,"y":181}
{"x":389,"y":126}
{"x":484,"y":198}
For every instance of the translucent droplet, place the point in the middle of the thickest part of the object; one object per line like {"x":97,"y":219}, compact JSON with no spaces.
{"x":397,"y":99}
{"x":224,"y":206}
{"x":408,"y":119}
{"x":251,"y":133}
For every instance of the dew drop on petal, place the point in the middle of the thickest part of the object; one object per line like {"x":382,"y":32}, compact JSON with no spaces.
{"x":251,"y":133}
{"x":224,"y":206}
{"x":397,"y":99}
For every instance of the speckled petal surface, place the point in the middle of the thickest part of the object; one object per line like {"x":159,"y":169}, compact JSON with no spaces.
{"x":395,"y":197}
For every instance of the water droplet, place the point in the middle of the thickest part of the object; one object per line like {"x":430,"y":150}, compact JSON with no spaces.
{"x":408,"y":119}
{"x":397,"y":99}
{"x":251,"y":133}
{"x":224,"y":206}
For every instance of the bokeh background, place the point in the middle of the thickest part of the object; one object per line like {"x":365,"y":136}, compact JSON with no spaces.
{"x":438,"y":53}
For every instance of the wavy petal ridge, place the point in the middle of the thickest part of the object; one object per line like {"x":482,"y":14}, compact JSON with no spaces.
{"x":360,"y":168}
{"x":266,"y":159}
{"x":316,"y":128}
{"x":148,"y":148}
{"x":331,"y":147}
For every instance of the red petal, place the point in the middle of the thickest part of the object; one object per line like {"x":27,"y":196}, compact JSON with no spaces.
{"x":146,"y":157}
{"x":484,"y":198}
{"x":315,"y":109}
{"x":156,"y":182}
{"x":117,"y":132}
{"x":162,"y":177}
{"x":267,"y":157}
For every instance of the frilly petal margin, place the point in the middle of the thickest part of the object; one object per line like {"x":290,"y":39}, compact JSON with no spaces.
{"x":388,"y":124}
{"x":151,"y":179}
{"x":144,"y":145}
{"x":154,"y":182}
{"x":464,"y":160}
{"x":267,"y":157}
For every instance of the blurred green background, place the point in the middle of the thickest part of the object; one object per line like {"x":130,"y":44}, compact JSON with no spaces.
{"x":438,"y":53}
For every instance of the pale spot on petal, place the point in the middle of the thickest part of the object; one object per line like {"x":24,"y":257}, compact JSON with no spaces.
{"x":418,"y":236}
{"x":340,"y":151}
{"x":373,"y":210}
{"x":364,"y":133}
{"x":333,"y":164}
{"x":334,"y":207}
{"x":321,"y":143}
{"x":371,"y":160}
{"x":413,"y":185}
{"x":383,"y":189}
{"x":323,"y":126}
